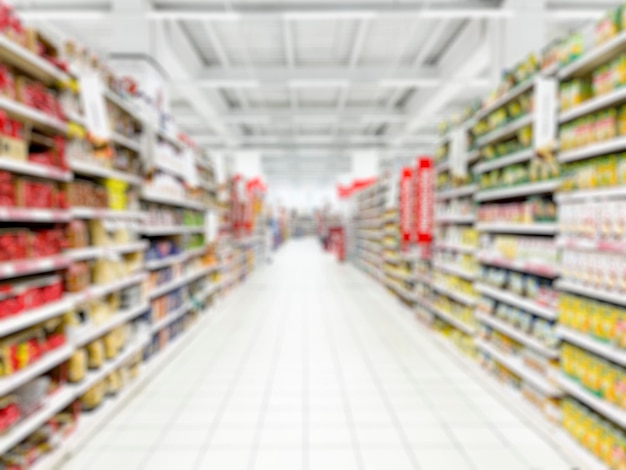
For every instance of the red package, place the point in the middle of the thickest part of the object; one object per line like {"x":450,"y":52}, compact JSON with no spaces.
{"x":14,"y":245}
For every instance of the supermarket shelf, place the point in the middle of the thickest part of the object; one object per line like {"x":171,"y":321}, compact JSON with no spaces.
{"x":80,"y":254}
{"x":456,"y":270}
{"x":407,"y":277}
{"x":25,"y":428}
{"x":154,"y":231}
{"x":32,"y":317}
{"x":97,"y":291}
{"x":182,"y":281}
{"x":617,"y":192}
{"x":515,"y":365}
{"x":26,"y":60}
{"x":172,"y":139}
{"x":180,"y":258}
{"x":464,"y":191}
{"x":45,"y":363}
{"x":8,"y":214}
{"x":600,"y":148}
{"x":574,"y":288}
{"x":124,"y":141}
{"x":610,"y":411}
{"x":517,"y":335}
{"x":93,"y":377}
{"x":591,"y":245}
{"x":455,"y":219}
{"x":151,"y":196}
{"x":521,"y":190}
{"x":452,"y":320}
{"x":94,"y":213}
{"x":403,"y":292}
{"x":123,"y":104}
{"x":506,"y":131}
{"x":537,"y":269}
{"x":539,"y":228}
{"x":606,"y":350}
{"x":509,"y":96}
{"x":451,"y":293}
{"x":91,"y":332}
{"x":501,"y":162}
{"x":455,"y":247}
{"x":170,"y":318}
{"x":35,"y":117}
{"x":92,"y":169}
{"x":594,"y":58}
{"x":570,"y":449}
{"x":517,"y":301}
{"x":594,"y":104}
{"x":24,"y":267}
{"x":90,"y":422}
{"x":33,"y":169}
{"x":442,"y":167}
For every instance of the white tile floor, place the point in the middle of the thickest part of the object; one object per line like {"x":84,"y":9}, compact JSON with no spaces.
{"x":309,"y":367}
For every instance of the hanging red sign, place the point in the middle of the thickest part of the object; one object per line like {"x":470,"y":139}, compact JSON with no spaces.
{"x":406,"y":205}
{"x":424,"y":200}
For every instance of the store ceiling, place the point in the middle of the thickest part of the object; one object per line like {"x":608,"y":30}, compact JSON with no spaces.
{"x":298,"y":78}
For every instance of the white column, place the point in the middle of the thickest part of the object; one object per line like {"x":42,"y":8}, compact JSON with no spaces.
{"x":524,"y":32}
{"x":365,"y":164}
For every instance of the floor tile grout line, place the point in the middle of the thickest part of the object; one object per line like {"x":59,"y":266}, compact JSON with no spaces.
{"x":424,"y":396}
{"x":267,"y":392}
{"x":235,"y":327}
{"x":492,"y":426}
{"x":377,"y":382}
{"x":256,"y":336}
{"x":305,"y":384}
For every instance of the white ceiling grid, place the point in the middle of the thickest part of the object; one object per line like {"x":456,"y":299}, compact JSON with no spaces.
{"x":308,"y":81}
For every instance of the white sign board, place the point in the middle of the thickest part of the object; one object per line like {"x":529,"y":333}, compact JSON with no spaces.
{"x":544,"y":125}
{"x":458,"y":153}
{"x":191,"y":171}
{"x":92,"y":96}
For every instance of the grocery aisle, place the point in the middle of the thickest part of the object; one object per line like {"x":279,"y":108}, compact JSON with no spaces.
{"x":309,"y":366}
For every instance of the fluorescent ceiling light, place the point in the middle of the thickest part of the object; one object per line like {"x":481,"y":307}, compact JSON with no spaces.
{"x":579,"y":14}
{"x":432,"y":82}
{"x":329,"y":15}
{"x":466,"y":14}
{"x":229,"y":83}
{"x":46,"y":15}
{"x":318,"y":83}
{"x":194,"y":15}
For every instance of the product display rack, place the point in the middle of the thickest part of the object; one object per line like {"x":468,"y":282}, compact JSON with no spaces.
{"x":368,"y":228}
{"x":450,"y":303}
{"x":91,"y":263}
{"x":592,"y":310}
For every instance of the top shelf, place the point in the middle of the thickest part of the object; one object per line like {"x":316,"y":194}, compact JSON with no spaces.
{"x":594,"y":58}
{"x":509,"y":96}
{"x":22,"y":58}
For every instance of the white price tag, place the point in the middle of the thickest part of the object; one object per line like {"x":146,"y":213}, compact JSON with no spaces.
{"x":458,"y":154}
{"x":544,"y":125}
{"x":191,"y":172}
{"x":92,"y":96}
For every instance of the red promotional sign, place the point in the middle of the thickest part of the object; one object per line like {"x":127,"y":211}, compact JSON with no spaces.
{"x":406,"y":205}
{"x":424,"y":200}
{"x":344,"y":192}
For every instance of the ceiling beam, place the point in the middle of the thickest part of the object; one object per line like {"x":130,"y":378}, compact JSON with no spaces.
{"x":316,"y":11}
{"x":322,"y":115}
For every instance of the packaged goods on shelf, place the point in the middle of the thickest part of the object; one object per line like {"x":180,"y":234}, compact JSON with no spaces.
{"x":602,"y":321}
{"x":535,"y":288}
{"x":456,"y":207}
{"x":593,"y":128}
{"x":603,"y":271}
{"x":20,"y":350}
{"x":597,"y":434}
{"x":524,"y":249}
{"x":595,"y":374}
{"x":459,"y":236}
{"x":593,"y":221}
{"x":28,"y":294}
{"x":521,"y":141}
{"x":527,"y":212}
{"x":513,"y":111}
{"x":537,"y":169}
{"x":602,"y":172}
